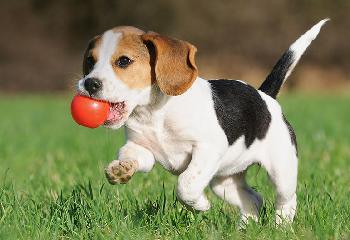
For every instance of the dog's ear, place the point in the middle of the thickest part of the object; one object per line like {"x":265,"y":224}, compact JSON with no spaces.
{"x":174,"y":63}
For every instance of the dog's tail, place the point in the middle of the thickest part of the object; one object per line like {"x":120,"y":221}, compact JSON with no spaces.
{"x":285,"y":65}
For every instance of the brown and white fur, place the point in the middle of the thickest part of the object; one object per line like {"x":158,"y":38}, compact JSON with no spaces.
{"x":172,"y":116}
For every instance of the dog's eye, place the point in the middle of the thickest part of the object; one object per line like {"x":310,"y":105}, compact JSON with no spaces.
{"x":123,"y":61}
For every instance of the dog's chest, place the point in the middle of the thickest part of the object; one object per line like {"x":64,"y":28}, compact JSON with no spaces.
{"x":161,"y":138}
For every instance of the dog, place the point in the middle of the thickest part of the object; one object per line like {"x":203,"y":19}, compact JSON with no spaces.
{"x":207,"y":132}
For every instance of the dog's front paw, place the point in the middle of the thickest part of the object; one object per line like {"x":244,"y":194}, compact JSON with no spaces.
{"x":120,"y":171}
{"x":201,"y":205}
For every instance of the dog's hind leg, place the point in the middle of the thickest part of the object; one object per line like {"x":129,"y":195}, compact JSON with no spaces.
{"x":283,"y":174}
{"x":236,"y":191}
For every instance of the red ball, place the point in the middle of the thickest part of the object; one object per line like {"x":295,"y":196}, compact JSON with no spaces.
{"x":89,"y":112}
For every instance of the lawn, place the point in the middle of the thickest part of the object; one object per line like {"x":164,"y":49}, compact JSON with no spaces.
{"x":52,"y":183}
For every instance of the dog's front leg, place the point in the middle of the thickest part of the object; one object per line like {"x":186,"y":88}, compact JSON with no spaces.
{"x":192,"y":182}
{"x":131,"y":158}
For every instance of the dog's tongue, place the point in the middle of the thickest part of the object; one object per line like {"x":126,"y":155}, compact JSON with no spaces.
{"x":115,"y":112}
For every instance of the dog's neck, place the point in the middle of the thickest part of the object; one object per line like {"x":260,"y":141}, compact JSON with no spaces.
{"x":158,"y":101}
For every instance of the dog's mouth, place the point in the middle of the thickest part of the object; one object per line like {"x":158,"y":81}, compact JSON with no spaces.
{"x":116,"y":113}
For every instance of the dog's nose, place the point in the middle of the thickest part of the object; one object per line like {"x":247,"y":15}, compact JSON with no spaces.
{"x":92,"y":85}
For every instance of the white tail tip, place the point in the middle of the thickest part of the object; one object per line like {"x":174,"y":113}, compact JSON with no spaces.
{"x":300,"y":45}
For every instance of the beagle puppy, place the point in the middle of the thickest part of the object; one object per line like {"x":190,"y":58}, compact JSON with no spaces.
{"x":207,"y":132}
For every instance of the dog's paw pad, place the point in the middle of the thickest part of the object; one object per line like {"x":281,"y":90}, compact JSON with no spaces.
{"x":120,"y":171}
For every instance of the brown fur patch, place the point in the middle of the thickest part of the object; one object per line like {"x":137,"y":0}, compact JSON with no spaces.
{"x":96,"y":47}
{"x":138,"y":74}
{"x":175,"y":67}
{"x":91,"y":51}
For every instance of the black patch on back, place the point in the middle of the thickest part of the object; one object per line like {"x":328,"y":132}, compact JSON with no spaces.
{"x":240,"y":110}
{"x":273,"y":82}
{"x":293,"y":137}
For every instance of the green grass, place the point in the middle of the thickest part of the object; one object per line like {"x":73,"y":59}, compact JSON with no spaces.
{"x":52,"y":183}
